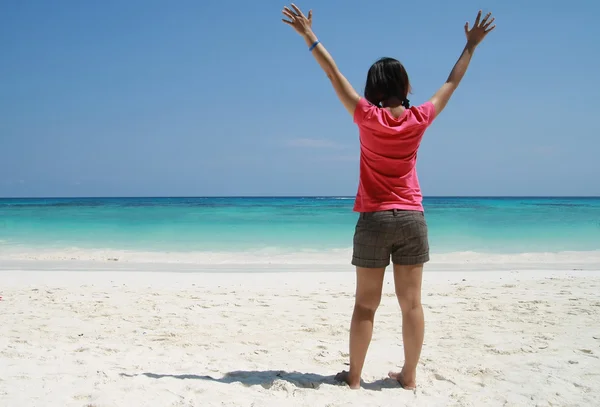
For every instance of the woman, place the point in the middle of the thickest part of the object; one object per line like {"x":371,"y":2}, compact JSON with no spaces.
{"x":391,"y":222}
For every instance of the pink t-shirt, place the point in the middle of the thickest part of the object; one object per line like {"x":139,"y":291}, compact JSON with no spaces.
{"x":388,"y":156}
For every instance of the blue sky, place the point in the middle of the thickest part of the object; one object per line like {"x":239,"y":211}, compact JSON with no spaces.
{"x":197,"y":98}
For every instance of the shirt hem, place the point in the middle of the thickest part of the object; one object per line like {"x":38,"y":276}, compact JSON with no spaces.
{"x":388,"y":207}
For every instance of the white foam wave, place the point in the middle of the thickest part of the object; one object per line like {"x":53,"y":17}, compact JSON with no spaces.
{"x":465,"y":260}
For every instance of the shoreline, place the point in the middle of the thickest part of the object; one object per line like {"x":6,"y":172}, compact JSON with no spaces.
{"x":463,"y":262}
{"x":327,"y":259}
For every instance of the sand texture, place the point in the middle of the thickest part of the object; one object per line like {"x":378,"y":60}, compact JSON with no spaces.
{"x":276,"y":339}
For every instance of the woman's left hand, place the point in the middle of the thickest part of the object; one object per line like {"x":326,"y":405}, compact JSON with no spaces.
{"x":297,"y":19}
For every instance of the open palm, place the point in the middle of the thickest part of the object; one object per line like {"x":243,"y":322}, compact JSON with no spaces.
{"x":480,"y":29}
{"x":296,"y":18}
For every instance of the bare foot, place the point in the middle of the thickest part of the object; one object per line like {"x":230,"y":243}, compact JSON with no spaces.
{"x":344,"y":376}
{"x":404,"y":381}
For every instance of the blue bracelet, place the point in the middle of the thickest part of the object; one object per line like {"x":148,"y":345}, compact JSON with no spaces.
{"x":314,"y":45}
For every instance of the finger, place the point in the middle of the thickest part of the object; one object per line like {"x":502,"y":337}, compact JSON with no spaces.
{"x":297,"y":10}
{"x":477,"y":19}
{"x":287,"y":22}
{"x":489,"y":23}
{"x":289,"y":15}
{"x":485,"y":18}
{"x":290,"y":11}
{"x":310,"y":14}
{"x":467,"y":27}
{"x":490,"y":29}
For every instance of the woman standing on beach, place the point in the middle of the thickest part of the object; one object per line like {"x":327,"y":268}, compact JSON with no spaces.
{"x":391,"y":222}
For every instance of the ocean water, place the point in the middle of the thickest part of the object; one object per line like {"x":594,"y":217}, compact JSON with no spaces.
{"x":221,"y":230}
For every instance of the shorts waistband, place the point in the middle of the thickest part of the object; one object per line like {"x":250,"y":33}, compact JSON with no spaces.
{"x":394,"y":212}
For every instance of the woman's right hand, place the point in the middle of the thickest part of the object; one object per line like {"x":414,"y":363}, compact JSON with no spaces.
{"x":480,"y":29}
{"x":475,"y":35}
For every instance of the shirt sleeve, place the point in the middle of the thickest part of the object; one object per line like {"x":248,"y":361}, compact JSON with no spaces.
{"x":364,"y":110}
{"x":427,"y":112}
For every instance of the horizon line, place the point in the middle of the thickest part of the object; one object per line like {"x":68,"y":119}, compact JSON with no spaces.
{"x":283,"y":196}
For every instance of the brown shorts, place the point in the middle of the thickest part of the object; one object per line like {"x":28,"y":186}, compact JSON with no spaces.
{"x":399,"y":234}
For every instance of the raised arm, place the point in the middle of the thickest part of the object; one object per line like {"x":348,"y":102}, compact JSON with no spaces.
{"x":303,"y":26}
{"x":474,"y":37}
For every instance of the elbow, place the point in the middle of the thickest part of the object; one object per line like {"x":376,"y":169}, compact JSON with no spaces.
{"x":332,"y":72}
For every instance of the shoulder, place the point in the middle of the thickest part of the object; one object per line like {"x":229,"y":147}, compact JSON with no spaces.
{"x":364,"y":110}
{"x":425,"y":112}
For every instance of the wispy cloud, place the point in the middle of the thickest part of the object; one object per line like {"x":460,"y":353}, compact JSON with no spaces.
{"x":313,"y":143}
{"x":338,"y":158}
{"x":13,"y":182}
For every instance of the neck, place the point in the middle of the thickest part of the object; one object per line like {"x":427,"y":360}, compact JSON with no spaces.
{"x":391,"y":102}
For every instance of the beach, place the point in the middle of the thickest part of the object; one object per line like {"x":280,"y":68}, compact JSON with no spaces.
{"x":247,"y":302}
{"x":108,"y":334}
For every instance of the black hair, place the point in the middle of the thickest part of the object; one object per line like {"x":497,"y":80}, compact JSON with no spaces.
{"x":387,"y":79}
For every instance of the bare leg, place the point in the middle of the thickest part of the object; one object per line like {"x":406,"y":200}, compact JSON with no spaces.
{"x":407,"y":280}
{"x":369,"y":283}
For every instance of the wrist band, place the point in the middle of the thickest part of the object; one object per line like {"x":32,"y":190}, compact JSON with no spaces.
{"x":314,"y":45}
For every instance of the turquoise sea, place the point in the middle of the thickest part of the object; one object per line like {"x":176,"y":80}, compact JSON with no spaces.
{"x":284,"y":226}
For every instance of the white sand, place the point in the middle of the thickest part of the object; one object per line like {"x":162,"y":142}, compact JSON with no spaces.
{"x":117,"y":338}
